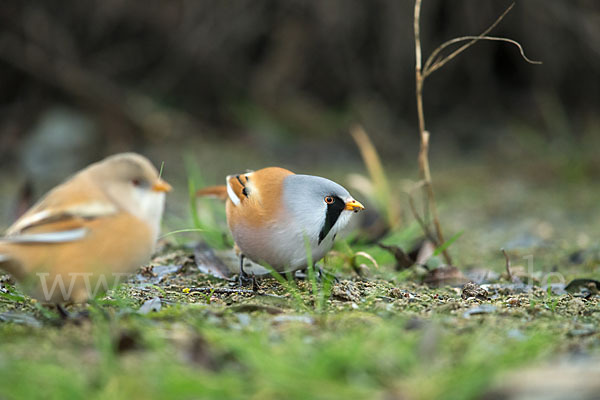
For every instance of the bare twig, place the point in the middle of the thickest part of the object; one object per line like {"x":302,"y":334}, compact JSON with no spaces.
{"x":431,"y":65}
{"x":508,"y":265}
{"x":441,"y":62}
{"x":416,"y":27}
{"x":424,"y":170}
{"x":435,"y":53}
{"x":434,"y":62}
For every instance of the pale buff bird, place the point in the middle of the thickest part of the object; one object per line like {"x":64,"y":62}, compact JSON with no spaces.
{"x":86,"y":233}
{"x":271,"y":211}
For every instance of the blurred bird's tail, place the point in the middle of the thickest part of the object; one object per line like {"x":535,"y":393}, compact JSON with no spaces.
{"x":216,"y":192}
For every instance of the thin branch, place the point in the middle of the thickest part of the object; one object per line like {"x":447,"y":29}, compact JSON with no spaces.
{"x":434,"y":62}
{"x":427,"y":68}
{"x":429,"y":198}
{"x":417,"y":34}
{"x":419,"y":77}
{"x":440,"y":63}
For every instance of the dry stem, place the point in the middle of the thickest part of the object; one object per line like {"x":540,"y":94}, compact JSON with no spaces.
{"x":433,"y":63}
{"x":377,"y":174}
{"x":424,"y":150}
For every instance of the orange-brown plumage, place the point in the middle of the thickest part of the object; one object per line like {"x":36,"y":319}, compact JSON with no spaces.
{"x":261,"y":202}
{"x":130,"y":245}
{"x":100,"y":224}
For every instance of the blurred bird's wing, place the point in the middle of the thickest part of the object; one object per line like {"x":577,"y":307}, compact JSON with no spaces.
{"x":59,"y":220}
{"x":46,"y":237}
{"x":61,"y":214}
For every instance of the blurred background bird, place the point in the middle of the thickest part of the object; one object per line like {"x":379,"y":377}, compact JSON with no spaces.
{"x":86,"y":233}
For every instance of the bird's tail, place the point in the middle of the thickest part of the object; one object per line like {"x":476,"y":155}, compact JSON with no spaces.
{"x":216,"y":192}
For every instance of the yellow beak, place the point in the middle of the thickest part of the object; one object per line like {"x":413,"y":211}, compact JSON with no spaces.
{"x":354,"y":205}
{"x":161,"y":186}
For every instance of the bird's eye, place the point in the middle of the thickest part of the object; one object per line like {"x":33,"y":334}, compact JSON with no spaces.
{"x":136,"y":182}
{"x":329,"y":200}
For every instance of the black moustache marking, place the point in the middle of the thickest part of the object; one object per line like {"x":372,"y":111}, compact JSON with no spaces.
{"x":334,"y":210}
{"x":244,"y":191}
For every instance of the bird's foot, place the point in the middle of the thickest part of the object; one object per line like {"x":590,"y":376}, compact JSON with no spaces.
{"x":246,"y":280}
{"x":320,"y":275}
{"x":71,"y":317}
{"x":323,"y":275}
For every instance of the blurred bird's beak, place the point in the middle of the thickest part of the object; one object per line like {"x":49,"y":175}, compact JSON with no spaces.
{"x":354,"y":205}
{"x":161,"y":186}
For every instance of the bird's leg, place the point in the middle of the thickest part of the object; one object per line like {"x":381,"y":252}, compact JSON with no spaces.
{"x":255,"y":286}
{"x":322,"y":274}
{"x":243,"y":278}
{"x":304,"y":274}
{"x":301,"y":273}
{"x":74,"y":317}
{"x":62,"y":311}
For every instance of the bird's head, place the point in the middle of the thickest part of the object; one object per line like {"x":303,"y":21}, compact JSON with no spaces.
{"x":134,"y":184}
{"x":322,"y":207}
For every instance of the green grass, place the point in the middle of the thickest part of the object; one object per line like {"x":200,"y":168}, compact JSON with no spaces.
{"x":384,"y":336}
{"x":342,"y":355}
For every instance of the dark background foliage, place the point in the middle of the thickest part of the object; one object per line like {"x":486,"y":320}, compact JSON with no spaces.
{"x":156,"y":70}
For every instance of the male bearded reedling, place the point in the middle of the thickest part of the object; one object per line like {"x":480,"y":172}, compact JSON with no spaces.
{"x":272,"y":211}
{"x":86,"y":233}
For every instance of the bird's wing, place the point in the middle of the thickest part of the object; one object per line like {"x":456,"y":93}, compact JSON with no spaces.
{"x":46,"y":237}
{"x":60,"y":215}
{"x":218,"y":192}
{"x":67,"y":213}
